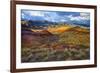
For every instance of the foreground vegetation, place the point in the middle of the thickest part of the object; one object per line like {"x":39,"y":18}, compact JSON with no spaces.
{"x":45,"y":54}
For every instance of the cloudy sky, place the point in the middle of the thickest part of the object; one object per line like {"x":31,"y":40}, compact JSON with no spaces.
{"x":56,"y":16}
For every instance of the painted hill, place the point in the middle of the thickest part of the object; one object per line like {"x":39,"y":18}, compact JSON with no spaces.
{"x":41,"y":32}
{"x":67,"y":28}
{"x":59,"y":29}
{"x":37,"y":37}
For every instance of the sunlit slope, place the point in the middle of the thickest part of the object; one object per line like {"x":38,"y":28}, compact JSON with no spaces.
{"x":59,"y":29}
{"x":80,"y":29}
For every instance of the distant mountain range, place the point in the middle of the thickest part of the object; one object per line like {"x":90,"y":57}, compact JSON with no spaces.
{"x":47,"y":23}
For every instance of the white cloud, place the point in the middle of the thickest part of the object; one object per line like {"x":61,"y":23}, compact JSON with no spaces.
{"x":51,"y":16}
{"x":23,"y":15}
{"x":72,"y":18}
{"x":86,"y":16}
{"x":36,"y":13}
{"x":63,"y":20}
{"x":83,"y":16}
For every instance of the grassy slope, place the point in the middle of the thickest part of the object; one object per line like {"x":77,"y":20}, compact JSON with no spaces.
{"x":60,"y":29}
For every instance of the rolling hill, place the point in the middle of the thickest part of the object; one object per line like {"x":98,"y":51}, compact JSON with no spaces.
{"x":43,"y":45}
